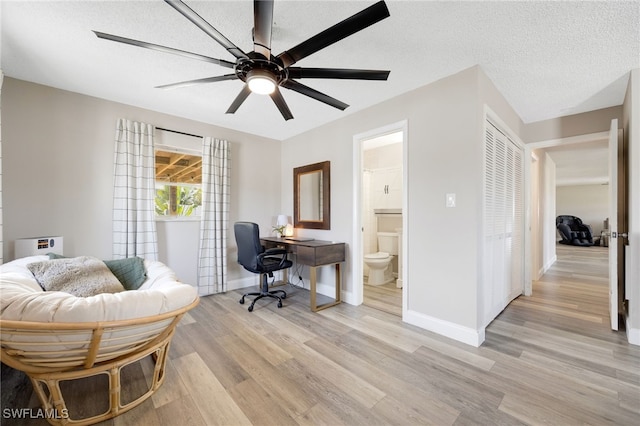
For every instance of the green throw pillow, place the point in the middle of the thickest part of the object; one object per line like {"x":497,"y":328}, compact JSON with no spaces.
{"x":130,"y":271}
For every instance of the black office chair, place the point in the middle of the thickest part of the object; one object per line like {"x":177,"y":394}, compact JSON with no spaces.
{"x":254,"y":258}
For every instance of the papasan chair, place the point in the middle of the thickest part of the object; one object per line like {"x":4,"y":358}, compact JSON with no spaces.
{"x":54,"y":336}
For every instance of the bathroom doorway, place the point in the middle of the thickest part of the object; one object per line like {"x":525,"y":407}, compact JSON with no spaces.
{"x":379,"y":214}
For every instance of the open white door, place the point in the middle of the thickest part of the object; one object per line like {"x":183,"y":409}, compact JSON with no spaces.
{"x":613,"y":223}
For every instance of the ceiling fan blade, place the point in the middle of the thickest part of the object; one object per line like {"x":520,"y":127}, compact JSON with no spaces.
{"x":281,"y":104}
{"x":198,"y":81}
{"x":262,"y":26}
{"x":349,"y":26}
{"x":312,"y":93}
{"x":244,"y":93}
{"x":351,"y":74}
{"x":166,"y":49}
{"x":198,"y":21}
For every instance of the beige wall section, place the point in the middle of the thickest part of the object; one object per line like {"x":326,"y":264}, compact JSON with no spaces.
{"x":543,"y":229}
{"x":571,"y":125}
{"x":445,"y":145}
{"x":588,"y":202}
{"x":549,"y":212}
{"x":58,"y":169}
{"x":631,"y":125}
{"x":383,"y":157}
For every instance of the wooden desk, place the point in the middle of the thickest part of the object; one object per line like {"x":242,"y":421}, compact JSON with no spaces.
{"x":314,"y":253}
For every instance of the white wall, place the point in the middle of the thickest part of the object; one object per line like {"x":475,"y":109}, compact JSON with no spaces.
{"x":444,"y":147}
{"x":58,"y":173}
{"x":535,"y":214}
{"x":548,"y":205}
{"x":571,"y":125}
{"x":588,"y":202}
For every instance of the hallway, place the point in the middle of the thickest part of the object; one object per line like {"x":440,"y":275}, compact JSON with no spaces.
{"x":573,"y":295}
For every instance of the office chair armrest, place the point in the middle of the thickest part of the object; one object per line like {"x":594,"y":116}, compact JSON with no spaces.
{"x":273,"y":252}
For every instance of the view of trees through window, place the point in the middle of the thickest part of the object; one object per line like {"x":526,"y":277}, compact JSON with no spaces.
{"x":178,"y":184}
{"x":176,"y":200}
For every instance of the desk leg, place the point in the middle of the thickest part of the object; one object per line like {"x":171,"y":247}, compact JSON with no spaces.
{"x":312,"y":287}
{"x":313,"y":283}
{"x":338,"y":288}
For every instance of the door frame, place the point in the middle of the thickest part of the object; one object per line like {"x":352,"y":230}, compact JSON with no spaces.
{"x":614,"y":260}
{"x":529,"y":148}
{"x":357,"y":265}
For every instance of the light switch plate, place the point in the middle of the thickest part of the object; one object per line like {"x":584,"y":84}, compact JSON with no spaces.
{"x":451,"y":200}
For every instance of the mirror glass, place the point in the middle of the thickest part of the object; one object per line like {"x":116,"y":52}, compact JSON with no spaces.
{"x":310,"y":199}
{"x":311,"y":196}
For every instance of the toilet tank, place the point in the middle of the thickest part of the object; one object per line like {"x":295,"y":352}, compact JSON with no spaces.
{"x":388,"y":242}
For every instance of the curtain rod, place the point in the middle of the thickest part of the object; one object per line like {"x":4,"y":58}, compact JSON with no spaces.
{"x":180,"y":133}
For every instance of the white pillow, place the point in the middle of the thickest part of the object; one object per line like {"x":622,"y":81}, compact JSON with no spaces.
{"x":81,"y":276}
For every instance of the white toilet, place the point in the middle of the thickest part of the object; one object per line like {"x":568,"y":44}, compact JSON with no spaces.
{"x":380,"y":270}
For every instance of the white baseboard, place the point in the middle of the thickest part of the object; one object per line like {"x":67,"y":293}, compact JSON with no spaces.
{"x":242,"y":283}
{"x":633,"y":334}
{"x":348,"y":297}
{"x":549,"y":264}
{"x":448,"y":329}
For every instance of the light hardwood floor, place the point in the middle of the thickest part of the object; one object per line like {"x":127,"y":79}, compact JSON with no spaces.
{"x":547,"y":359}
{"x":386,"y":297}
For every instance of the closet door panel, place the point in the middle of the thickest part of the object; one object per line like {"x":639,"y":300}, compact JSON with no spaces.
{"x":503,"y":222}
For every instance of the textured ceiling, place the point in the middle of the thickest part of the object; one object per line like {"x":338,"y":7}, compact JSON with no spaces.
{"x":548,"y":58}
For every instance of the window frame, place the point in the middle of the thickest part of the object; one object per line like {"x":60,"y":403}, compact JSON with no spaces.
{"x":162,"y":183}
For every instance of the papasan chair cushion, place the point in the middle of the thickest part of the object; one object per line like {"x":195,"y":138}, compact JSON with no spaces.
{"x":23,"y":299}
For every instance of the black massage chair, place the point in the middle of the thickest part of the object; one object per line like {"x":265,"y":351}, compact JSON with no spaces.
{"x":573,"y":231}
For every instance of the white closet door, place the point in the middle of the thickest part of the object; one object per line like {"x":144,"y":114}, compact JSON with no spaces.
{"x":517,"y":258}
{"x":503,"y":222}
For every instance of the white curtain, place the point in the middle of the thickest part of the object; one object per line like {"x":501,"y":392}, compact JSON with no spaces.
{"x":134,"y":226}
{"x":212,"y":261}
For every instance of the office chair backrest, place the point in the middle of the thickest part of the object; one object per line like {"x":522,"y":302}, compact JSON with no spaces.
{"x":249,"y":247}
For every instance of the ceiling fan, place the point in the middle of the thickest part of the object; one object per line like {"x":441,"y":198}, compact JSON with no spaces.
{"x":260,"y":70}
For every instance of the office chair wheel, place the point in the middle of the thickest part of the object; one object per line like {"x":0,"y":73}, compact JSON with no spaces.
{"x":250,"y":308}
{"x":279,"y":304}
{"x":242,"y":300}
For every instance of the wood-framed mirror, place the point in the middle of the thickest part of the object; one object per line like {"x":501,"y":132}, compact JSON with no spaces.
{"x":312,"y":196}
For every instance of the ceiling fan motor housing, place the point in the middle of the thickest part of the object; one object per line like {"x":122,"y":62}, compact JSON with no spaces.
{"x":259,"y":66}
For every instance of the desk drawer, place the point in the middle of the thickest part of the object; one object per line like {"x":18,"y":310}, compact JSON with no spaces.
{"x":322,"y":255}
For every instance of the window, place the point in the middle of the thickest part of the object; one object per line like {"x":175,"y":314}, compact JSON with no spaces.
{"x":178,"y":184}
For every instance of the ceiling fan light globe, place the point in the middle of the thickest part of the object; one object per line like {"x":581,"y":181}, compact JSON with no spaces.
{"x":261,"y":82}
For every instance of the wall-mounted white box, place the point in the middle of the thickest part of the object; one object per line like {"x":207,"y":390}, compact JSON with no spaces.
{"x":451,"y":200}
{"x":37,"y":246}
